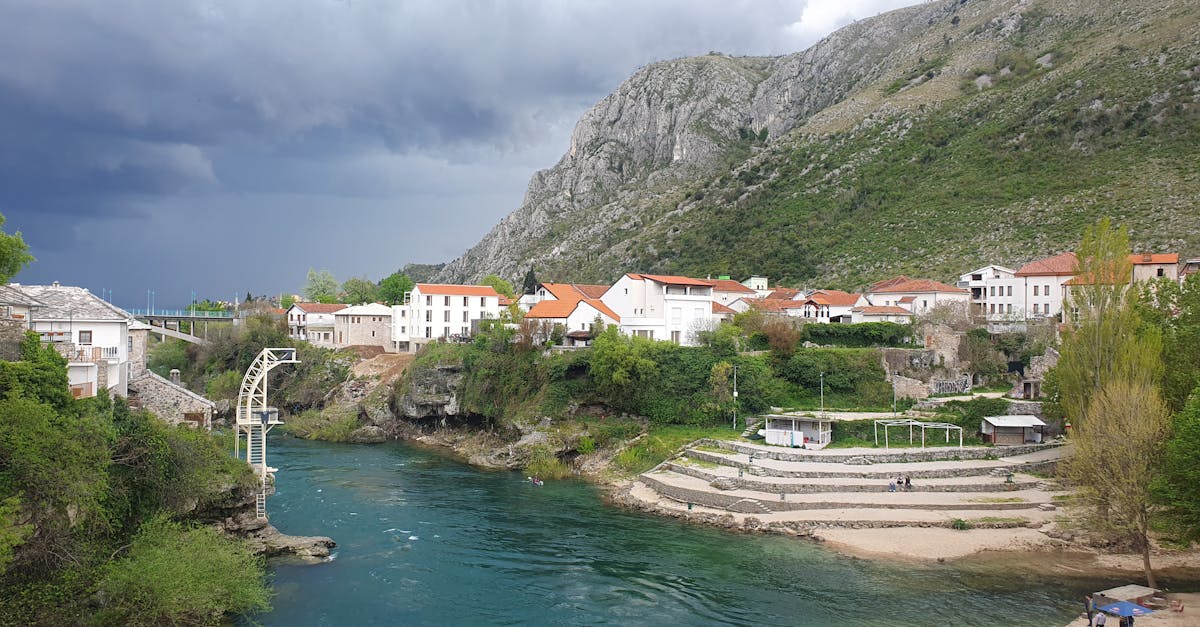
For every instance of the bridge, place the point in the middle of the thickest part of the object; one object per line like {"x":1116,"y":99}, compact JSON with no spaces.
{"x":162,"y":320}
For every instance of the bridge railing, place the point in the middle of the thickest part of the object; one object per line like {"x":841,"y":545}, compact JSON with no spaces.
{"x":182,"y":313}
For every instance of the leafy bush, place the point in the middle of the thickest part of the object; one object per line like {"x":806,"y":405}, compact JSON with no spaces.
{"x":332,"y":424}
{"x":176,"y":574}
{"x":545,"y":464}
{"x":862,"y":335}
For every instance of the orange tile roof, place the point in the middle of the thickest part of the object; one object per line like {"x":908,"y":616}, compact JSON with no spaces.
{"x":833,"y":298}
{"x":318,"y":308}
{"x":1141,"y":259}
{"x":878,"y":285}
{"x":783,"y":293}
{"x":888,"y":309}
{"x":909,"y":299}
{"x":456,"y":290}
{"x":729,"y":285}
{"x":569,"y":296}
{"x":570,"y":290}
{"x":1050,"y":266}
{"x":917,"y":285}
{"x":773,"y":305}
{"x":505,"y":301}
{"x":718,"y":308}
{"x":592,"y":291}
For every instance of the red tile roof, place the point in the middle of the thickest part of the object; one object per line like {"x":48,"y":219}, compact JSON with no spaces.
{"x":783,"y":293}
{"x":1057,"y":265}
{"x":718,"y":308}
{"x":569,"y":296}
{"x":833,"y":298}
{"x":872,"y":310}
{"x":878,"y":285}
{"x":908,"y":299}
{"x":729,"y":285}
{"x":917,"y":285}
{"x":318,"y":308}
{"x":456,"y":290}
{"x":773,"y":305}
{"x":591,"y":291}
{"x":1141,"y":259}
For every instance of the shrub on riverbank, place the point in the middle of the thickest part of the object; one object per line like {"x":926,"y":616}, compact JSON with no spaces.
{"x":81,"y":478}
{"x":332,"y":424}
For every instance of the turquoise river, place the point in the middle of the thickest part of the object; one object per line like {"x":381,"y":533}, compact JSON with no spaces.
{"x":426,"y":540}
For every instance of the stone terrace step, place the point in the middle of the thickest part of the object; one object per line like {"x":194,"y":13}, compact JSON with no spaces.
{"x":867,"y":517}
{"x":691,"y":489}
{"x":798,"y":485}
{"x":777,"y":468}
{"x":878,"y":456}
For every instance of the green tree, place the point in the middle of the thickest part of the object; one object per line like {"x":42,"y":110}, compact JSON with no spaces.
{"x":720,"y":383}
{"x":500,"y":285}
{"x":1178,"y":489}
{"x":1175,"y":309}
{"x":286,"y":301}
{"x":358,"y":291}
{"x":1098,"y":348}
{"x":530,"y":283}
{"x":320,"y":287}
{"x":393,"y":288}
{"x":14,"y":253}
{"x":622,"y":367}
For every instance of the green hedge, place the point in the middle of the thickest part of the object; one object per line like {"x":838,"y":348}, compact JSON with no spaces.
{"x":862,"y":335}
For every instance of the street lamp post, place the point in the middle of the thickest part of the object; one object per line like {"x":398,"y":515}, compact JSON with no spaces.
{"x":735,"y":396}
{"x":894,"y":375}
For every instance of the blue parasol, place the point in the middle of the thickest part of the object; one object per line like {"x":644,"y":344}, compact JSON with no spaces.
{"x":1125,"y":608}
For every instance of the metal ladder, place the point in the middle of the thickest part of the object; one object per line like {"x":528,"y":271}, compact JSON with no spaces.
{"x":260,"y":503}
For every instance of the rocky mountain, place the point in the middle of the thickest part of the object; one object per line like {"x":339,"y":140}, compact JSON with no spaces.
{"x":924,"y":140}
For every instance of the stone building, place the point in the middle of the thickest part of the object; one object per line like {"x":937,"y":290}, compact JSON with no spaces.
{"x":363,"y":325}
{"x":167,"y":399}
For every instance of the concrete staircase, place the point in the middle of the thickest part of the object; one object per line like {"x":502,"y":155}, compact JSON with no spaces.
{"x":805,"y":490}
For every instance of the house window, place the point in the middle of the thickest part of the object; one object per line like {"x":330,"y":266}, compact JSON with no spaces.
{"x":1045,"y":290}
{"x":1009,"y":290}
{"x":129,"y":344}
{"x":446,"y":301}
{"x":924,"y":304}
{"x":675,"y":336}
{"x":446,"y":316}
{"x":427,"y":330}
{"x":466,"y":331}
{"x":992,"y":308}
{"x":403,"y":313}
{"x":992,"y":290}
{"x":85,"y":337}
{"x":372,"y":334}
{"x":465,"y":299}
{"x":465,"y":316}
{"x":446,"y":332}
{"x":1035,"y":308}
{"x":403,"y":330}
{"x":1046,"y":308}
{"x":428,"y":302}
{"x":1035,"y":288}
{"x":1161,"y":272}
{"x":428,"y":315}
{"x":1008,"y":308}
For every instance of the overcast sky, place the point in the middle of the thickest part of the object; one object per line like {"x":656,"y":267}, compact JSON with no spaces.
{"x":229,"y":146}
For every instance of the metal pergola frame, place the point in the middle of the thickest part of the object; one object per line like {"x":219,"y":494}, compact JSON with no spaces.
{"x":910,"y":423}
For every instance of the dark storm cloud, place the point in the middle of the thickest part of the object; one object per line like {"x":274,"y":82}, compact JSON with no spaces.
{"x":220,"y":123}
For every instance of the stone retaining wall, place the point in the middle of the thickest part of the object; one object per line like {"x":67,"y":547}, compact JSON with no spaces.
{"x":814,"y":488}
{"x":169,"y":401}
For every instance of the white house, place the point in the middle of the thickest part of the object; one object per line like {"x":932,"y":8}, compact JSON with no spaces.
{"x":363,"y":325}
{"x":313,"y":322}
{"x":830,"y":306}
{"x":91,"y":333}
{"x":434,"y":311}
{"x":15,"y":305}
{"x":918,"y":296}
{"x":977,"y":282}
{"x":572,"y":307}
{"x":662,"y":307}
{"x":880,"y":313}
{"x":726,"y":290}
{"x":758,"y":284}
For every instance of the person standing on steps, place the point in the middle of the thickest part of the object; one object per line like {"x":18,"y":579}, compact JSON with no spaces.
{"x":907,"y":483}
{"x":891,"y":485}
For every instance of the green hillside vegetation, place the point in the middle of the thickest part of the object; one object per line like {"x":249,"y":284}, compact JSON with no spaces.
{"x":935,"y":170}
{"x":96,"y":498}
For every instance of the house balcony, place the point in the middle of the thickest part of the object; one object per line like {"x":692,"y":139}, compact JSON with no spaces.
{"x":92,"y":354}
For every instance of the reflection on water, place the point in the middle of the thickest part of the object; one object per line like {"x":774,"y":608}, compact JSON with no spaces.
{"x":423,"y":539}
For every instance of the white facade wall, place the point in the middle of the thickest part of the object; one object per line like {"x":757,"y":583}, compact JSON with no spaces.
{"x":428,"y":317}
{"x":1025,"y":297}
{"x":661,"y":311}
{"x":108,"y":347}
{"x":922,"y":302}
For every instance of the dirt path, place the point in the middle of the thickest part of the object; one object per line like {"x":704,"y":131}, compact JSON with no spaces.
{"x":388,"y":366}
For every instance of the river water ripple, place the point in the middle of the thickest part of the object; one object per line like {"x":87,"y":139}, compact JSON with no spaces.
{"x":426,"y":540}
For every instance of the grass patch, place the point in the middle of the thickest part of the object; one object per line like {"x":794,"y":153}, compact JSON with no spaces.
{"x":543,"y":463}
{"x":660,"y":443}
{"x":711,"y":449}
{"x":332,"y":424}
{"x":1001,"y":520}
{"x":698,"y":463}
{"x":997,"y":499}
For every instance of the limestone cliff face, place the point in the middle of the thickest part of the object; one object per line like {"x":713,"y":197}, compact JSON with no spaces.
{"x":678,"y":121}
